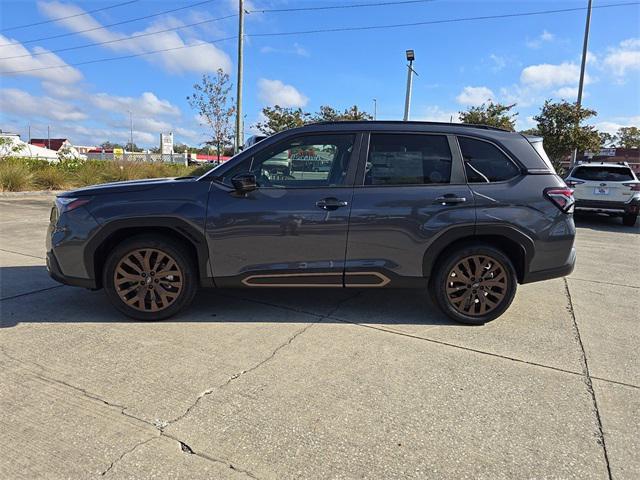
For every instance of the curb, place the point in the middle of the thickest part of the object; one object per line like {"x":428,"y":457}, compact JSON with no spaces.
{"x":30,"y":193}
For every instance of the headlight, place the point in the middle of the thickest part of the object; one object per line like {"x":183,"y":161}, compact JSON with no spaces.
{"x":67,"y":204}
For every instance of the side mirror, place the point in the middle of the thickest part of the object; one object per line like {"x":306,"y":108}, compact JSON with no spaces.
{"x":244,"y":182}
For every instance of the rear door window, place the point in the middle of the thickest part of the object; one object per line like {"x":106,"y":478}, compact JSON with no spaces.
{"x":484,"y":162}
{"x":603,"y":174}
{"x":401,"y":159}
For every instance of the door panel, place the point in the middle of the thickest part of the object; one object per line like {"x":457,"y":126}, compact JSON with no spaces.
{"x":292,"y":230}
{"x":412,"y":189}
{"x":391,"y":228}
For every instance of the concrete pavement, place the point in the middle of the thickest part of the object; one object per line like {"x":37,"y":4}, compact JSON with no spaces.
{"x":320,"y":384}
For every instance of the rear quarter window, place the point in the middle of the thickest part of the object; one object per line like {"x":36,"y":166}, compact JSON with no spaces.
{"x":485,"y":163}
{"x":603,"y":174}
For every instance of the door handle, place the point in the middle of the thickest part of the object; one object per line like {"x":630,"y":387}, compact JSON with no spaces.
{"x":450,"y":199}
{"x":331,"y":203}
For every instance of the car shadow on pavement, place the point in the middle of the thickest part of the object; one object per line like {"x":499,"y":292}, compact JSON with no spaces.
{"x":28,"y":295}
{"x":603,"y":223}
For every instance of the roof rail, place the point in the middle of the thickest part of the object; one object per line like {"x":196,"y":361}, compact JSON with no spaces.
{"x":449,"y":124}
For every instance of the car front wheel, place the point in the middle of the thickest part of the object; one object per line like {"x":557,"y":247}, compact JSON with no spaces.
{"x":150,"y":278}
{"x":475,"y":284}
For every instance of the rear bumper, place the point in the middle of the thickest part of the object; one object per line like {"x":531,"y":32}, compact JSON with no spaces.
{"x":604,"y":206}
{"x":561,"y":271}
{"x":53,"y":267}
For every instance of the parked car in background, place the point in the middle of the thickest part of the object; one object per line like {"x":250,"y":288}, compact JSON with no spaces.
{"x":463,"y":213}
{"x":610,"y":188}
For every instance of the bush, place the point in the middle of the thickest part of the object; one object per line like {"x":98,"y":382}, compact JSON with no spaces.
{"x":22,"y":174}
{"x":49,"y":178}
{"x":14,"y":176}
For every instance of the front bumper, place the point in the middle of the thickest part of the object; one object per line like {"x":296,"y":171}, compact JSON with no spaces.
{"x":53,"y":267}
{"x":561,"y":271}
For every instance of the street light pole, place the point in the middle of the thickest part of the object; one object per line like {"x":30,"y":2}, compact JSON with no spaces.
{"x":239,"y":127}
{"x":583,"y":66}
{"x":375,"y":109}
{"x":407,"y":98}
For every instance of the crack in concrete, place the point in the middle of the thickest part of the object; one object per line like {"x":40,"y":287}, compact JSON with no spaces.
{"x":209,"y":391}
{"x":131,"y":450}
{"x":20,"y":253}
{"x":604,"y":283}
{"x":587,"y":380}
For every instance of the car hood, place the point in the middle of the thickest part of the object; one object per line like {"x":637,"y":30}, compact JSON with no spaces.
{"x":127,"y":186}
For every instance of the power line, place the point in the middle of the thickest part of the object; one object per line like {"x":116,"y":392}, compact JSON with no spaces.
{"x":280,"y":10}
{"x":189,"y":25}
{"x":68,"y":34}
{"x":88,"y":12}
{"x":335,"y":7}
{"x":116,"y":40}
{"x":329,"y":30}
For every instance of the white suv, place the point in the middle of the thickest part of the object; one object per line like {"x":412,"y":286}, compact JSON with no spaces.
{"x":610,"y":188}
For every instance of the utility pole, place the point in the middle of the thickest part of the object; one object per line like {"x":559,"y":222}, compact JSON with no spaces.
{"x":239,"y":118}
{"x":48,"y":138}
{"x":130,"y":131}
{"x":375,"y":109}
{"x":407,"y":99}
{"x":583,"y":66}
{"x":29,"y":133}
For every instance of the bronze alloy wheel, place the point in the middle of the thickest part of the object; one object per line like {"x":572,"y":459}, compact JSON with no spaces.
{"x":148,"y":279}
{"x":477,"y":285}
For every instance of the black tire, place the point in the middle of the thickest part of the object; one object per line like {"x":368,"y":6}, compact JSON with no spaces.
{"x":184,"y":266}
{"x":629,"y":219}
{"x":500,"y":264}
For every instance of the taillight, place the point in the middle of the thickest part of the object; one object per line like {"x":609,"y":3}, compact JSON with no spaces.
{"x":561,"y":197}
{"x":635,"y":186}
{"x":573,"y":183}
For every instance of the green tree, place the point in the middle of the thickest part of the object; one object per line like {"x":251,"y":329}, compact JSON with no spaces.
{"x":211,"y":100}
{"x":606,"y":139}
{"x":110,"y":146}
{"x":561,"y":126}
{"x":277,"y":119}
{"x":492,"y":114}
{"x":628,"y":137}
{"x":330,"y":114}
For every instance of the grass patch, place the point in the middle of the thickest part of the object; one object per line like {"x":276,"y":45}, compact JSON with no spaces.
{"x":21,"y":174}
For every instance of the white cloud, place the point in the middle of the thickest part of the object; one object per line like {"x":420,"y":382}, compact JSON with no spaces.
{"x":498,"y":61}
{"x":147,"y":104}
{"x":475,"y":96}
{"x":27,"y":61}
{"x":199,"y":57}
{"x":567,"y":93}
{"x":19,"y":102}
{"x":274,"y":92}
{"x":296,"y":49}
{"x":614,"y":124}
{"x":544,"y":37}
{"x":548,"y":75}
{"x":623,"y":58}
{"x":434,"y":113}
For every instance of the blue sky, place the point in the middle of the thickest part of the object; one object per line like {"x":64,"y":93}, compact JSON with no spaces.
{"x":521,"y":60}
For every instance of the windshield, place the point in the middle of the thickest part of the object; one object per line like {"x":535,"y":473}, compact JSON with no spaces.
{"x":604,"y":174}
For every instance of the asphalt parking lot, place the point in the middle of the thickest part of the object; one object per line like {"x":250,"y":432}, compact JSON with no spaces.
{"x":320,"y":384}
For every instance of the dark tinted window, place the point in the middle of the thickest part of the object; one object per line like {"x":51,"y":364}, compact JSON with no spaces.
{"x":408,"y":160}
{"x":484,"y":162}
{"x":603,"y":174}
{"x":309,"y":161}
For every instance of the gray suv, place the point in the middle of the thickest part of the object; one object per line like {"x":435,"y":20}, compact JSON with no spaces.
{"x":462,"y":212}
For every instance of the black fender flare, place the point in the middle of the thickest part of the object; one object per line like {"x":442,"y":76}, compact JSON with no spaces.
{"x":180,"y":227}
{"x":471,"y":232}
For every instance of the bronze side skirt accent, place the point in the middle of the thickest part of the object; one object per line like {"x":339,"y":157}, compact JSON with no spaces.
{"x":250,"y":280}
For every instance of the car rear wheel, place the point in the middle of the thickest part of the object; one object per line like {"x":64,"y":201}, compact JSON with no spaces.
{"x":475,"y":284}
{"x":150,"y":278}
{"x":629,"y":219}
